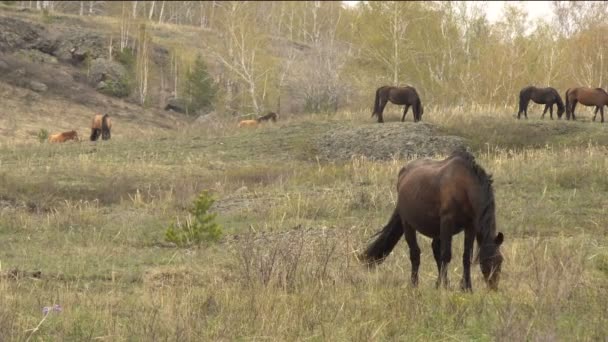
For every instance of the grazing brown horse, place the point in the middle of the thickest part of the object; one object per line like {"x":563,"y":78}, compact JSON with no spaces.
{"x":270,"y":116}
{"x":597,"y":97}
{"x":407,"y":96}
{"x":63,"y":137}
{"x":547,"y":96}
{"x":101,"y":125}
{"x":440,"y":199}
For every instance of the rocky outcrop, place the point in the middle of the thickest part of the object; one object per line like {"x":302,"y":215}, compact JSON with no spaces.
{"x":387,"y":141}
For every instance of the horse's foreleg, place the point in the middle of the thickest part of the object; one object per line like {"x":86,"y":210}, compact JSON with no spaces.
{"x":551,"y":112}
{"x":469,"y":239}
{"x":410,"y":238}
{"x":544,"y":111}
{"x":445,"y":235}
{"x":407,"y":107}
{"x":602,"y":113}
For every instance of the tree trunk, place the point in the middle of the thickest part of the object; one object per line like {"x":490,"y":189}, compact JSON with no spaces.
{"x":160,"y":15}
{"x":81,"y":8}
{"x":151,"y":14}
{"x":134,"y":9}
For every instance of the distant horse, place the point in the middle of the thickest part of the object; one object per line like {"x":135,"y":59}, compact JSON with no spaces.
{"x":440,"y":199}
{"x":270,"y":116}
{"x":547,"y":96}
{"x":101,"y":125}
{"x":63,"y":137}
{"x":597,"y":97}
{"x":248,"y":123}
{"x":407,"y":96}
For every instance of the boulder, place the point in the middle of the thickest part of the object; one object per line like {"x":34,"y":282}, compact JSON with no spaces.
{"x":177,"y":105}
{"x":103,"y":70}
{"x":36,"y":56}
{"x":18,"y":34}
{"x":37,"y":86}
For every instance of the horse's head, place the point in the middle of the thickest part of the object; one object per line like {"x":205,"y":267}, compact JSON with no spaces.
{"x":490,"y":260}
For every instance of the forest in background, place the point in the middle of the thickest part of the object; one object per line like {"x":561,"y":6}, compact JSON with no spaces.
{"x":317,"y":56}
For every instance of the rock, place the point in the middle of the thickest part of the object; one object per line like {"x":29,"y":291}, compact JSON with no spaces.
{"x":37,"y":86}
{"x":3,"y":65}
{"x":18,"y":34}
{"x":386,"y":141}
{"x":176,"y":105}
{"x":101,"y":85}
{"x":103,"y":70}
{"x":36,"y":56}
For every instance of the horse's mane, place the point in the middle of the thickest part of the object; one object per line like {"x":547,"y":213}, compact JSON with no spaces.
{"x":486,"y":215}
{"x":602,"y":90}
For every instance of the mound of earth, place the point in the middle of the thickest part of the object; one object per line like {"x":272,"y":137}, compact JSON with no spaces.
{"x":387,"y":141}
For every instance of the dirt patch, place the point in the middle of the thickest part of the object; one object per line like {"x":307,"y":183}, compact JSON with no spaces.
{"x":386,"y":141}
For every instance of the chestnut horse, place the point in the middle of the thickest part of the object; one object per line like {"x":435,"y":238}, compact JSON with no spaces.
{"x":102,"y":124}
{"x":63,"y":137}
{"x":407,"y":96}
{"x":547,"y":96}
{"x":440,"y":199}
{"x":597,"y":97}
{"x":248,"y":123}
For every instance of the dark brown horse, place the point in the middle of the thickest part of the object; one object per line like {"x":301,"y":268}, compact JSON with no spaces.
{"x":547,"y":96}
{"x":440,"y":199}
{"x":407,"y":96}
{"x":597,"y":97}
{"x":270,"y":116}
{"x":101,"y":125}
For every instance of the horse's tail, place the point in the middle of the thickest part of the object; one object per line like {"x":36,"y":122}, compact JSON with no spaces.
{"x":560,"y":104}
{"x":106,"y":125}
{"x":387,"y":239}
{"x":567,"y":104}
{"x":419,"y":108}
{"x":522,"y":101}
{"x":377,"y":102}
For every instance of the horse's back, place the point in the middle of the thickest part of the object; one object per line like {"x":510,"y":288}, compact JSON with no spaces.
{"x":428,"y":189}
{"x":248,"y":123}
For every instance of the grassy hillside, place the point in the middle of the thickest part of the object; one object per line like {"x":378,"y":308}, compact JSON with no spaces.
{"x":83,"y":224}
{"x":91,"y":218}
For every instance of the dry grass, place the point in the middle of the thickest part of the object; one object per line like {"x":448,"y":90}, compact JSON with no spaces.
{"x":286,"y":269}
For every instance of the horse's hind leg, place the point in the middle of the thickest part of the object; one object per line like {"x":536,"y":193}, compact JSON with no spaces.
{"x":410,"y":238}
{"x":407,"y":107}
{"x":602,"y":113}
{"x":574,"y":102}
{"x":383,"y":103}
{"x":436,"y":244}
{"x":445,"y":235}
{"x":545,"y":111}
{"x":597,"y":109}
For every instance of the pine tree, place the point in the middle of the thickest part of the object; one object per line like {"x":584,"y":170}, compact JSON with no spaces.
{"x":200,"y":88}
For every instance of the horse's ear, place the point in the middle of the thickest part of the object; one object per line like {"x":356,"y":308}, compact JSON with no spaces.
{"x":499,"y":239}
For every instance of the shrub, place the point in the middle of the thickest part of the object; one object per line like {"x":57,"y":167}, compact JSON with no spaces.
{"x":42,"y":135}
{"x":199,"y":228}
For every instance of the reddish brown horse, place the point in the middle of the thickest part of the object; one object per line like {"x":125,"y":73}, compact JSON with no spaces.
{"x":407,"y":96}
{"x":440,"y":199}
{"x":63,"y":137}
{"x":597,"y":97}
